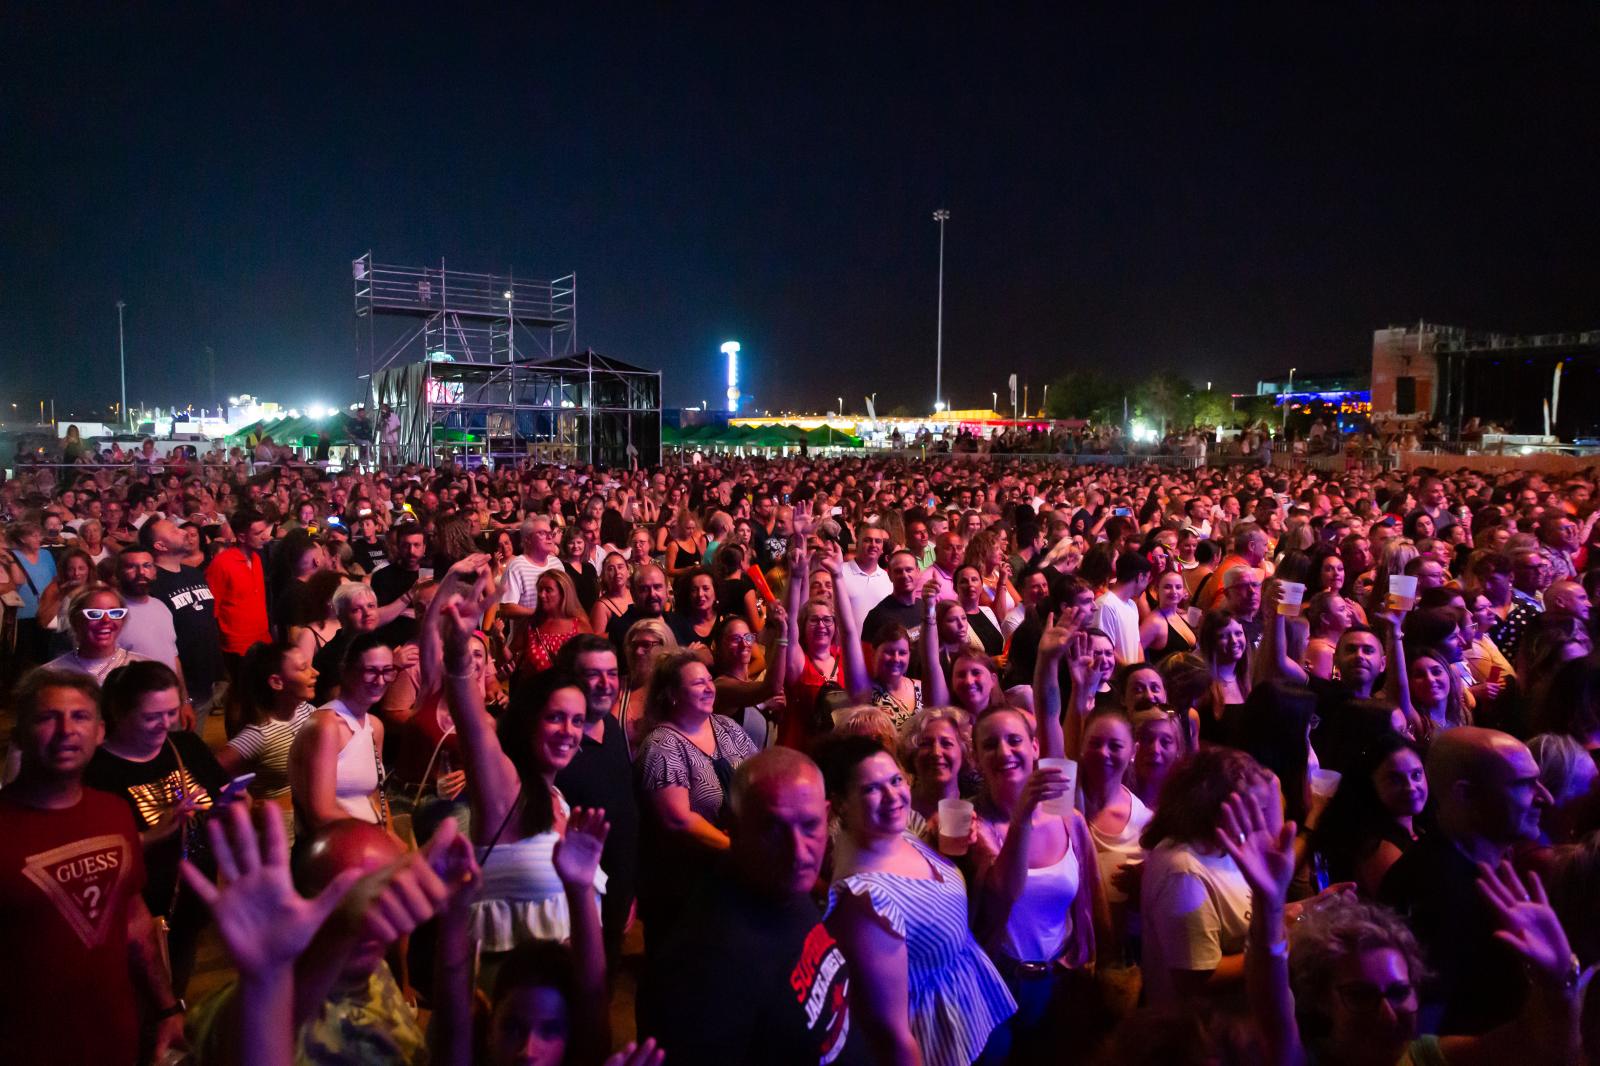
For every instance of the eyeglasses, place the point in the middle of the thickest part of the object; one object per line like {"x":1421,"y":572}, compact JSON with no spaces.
{"x":379,"y":673}
{"x":745,"y":639}
{"x":94,"y":614}
{"x":1365,"y":998}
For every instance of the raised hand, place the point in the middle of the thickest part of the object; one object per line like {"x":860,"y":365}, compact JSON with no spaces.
{"x":1053,"y":641}
{"x":1086,"y":677}
{"x":1527,"y":922}
{"x":645,"y":1054}
{"x":262,"y":920}
{"x":577,"y":855}
{"x":1043,"y":784}
{"x":1261,"y":848}
{"x":777,"y":618}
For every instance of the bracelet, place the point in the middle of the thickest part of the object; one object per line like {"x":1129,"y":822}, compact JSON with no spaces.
{"x":784,"y":643}
{"x":459,"y":677}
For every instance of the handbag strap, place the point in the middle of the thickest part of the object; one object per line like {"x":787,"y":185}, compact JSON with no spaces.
{"x":183,"y":831}
{"x":383,"y":779}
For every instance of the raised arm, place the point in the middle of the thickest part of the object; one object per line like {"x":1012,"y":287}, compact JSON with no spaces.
{"x":1262,"y":846}
{"x":935,"y":687}
{"x":735,"y":695}
{"x":492,"y":780}
{"x":1053,"y":645}
{"x":1000,"y":883}
{"x":1086,"y":680}
{"x":856,"y":676}
{"x":1547,"y":1031}
{"x":576,"y":859}
{"x":1274,"y":659}
{"x":795,"y":597}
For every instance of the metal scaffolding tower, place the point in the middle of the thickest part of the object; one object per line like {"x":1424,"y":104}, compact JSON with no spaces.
{"x":408,"y":314}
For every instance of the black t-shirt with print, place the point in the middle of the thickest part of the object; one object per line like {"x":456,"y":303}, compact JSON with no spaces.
{"x":194,"y":620}
{"x":745,"y":979}
{"x":151,"y":789}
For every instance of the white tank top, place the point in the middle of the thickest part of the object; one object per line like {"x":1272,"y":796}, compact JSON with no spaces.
{"x":356,"y":774}
{"x":1041,"y":919}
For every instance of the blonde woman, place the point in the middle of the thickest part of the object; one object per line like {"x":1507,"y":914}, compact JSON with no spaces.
{"x":557,"y":618}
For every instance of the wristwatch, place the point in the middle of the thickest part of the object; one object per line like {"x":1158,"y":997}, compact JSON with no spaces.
{"x":178,"y":1007}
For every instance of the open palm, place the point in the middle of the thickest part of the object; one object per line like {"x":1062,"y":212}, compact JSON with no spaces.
{"x":1262,"y":848}
{"x":263,"y":921}
{"x":577,"y":855}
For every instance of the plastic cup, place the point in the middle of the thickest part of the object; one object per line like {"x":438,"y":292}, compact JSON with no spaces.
{"x":1293,"y":594}
{"x":955,"y":825}
{"x":1063,"y":804}
{"x":1402,"y":592}
{"x":1324,"y":783}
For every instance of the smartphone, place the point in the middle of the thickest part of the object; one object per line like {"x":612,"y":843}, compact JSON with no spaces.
{"x":235,"y":789}
{"x":1122,"y":512}
{"x":1494,"y":674}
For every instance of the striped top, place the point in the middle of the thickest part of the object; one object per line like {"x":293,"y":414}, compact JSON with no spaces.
{"x":956,"y":995}
{"x":668,"y":759}
{"x":264,"y":747}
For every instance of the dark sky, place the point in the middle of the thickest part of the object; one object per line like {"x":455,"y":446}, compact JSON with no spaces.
{"x":1222,"y":193}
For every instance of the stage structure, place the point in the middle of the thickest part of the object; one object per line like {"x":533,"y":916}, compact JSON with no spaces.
{"x":485,"y":366}
{"x":578,"y":409}
{"x":406,"y":314}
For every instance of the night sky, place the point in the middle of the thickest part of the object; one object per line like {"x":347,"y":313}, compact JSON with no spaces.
{"x":1221,"y":193}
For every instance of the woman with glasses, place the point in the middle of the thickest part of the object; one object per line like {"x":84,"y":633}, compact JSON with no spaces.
{"x":816,"y":663}
{"x":741,"y":690}
{"x":96,"y":615}
{"x":336,"y":763}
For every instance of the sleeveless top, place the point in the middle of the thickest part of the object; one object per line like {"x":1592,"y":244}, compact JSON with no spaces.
{"x":1041,"y":919}
{"x":1177,"y":643}
{"x":1114,"y":849}
{"x":899,"y":713}
{"x":956,"y":997}
{"x":522,"y":898}
{"x":356,"y":774}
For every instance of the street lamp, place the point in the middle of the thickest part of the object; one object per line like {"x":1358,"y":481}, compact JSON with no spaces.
{"x":940,"y":216}
{"x":1284,"y":427}
{"x":994,"y":400}
{"x":122,"y":362}
{"x":511,"y":326}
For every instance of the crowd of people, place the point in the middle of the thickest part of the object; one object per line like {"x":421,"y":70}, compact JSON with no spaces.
{"x":822,"y":760}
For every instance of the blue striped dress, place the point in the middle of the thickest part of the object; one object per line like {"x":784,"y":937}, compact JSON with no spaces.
{"x":957,"y":997}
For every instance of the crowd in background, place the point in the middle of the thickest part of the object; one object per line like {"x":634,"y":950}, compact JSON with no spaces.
{"x":827,"y":760}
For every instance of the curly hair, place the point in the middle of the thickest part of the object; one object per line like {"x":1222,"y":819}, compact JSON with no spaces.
{"x":1192,"y":795}
{"x":917,"y":726}
{"x":1333,"y":932}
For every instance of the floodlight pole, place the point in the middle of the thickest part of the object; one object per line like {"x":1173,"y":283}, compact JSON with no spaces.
{"x":940,"y":216}
{"x":122,"y":363}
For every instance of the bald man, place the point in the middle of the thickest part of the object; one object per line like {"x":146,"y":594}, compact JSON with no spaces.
{"x":1486,"y":786}
{"x":751,"y":974}
{"x":1567,"y":597}
{"x":194,"y":618}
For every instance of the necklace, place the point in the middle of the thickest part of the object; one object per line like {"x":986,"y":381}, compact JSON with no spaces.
{"x":117,"y":658}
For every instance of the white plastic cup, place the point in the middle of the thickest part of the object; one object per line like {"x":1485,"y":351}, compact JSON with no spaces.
{"x":1402,"y":592}
{"x":1292,"y":595}
{"x":955,"y":825}
{"x":1324,"y":783}
{"x":1063,"y":804}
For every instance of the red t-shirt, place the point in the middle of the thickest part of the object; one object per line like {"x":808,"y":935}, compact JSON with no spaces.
{"x":67,"y":878}
{"x":239,"y":591}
